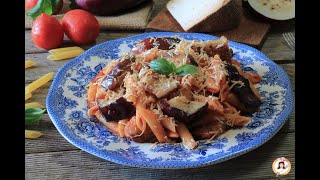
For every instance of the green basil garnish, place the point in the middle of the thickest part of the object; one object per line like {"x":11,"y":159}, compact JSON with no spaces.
{"x":33,"y":115}
{"x":43,"y":6}
{"x":163,"y":66}
{"x":186,"y":69}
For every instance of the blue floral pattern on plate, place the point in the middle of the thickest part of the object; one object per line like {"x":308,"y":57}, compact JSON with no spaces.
{"x":67,"y":107}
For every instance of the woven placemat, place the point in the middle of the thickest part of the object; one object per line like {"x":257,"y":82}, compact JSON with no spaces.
{"x":136,"y":18}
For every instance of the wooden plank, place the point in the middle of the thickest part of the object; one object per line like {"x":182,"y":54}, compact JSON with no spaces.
{"x":290,"y":125}
{"x":50,"y":141}
{"x":42,"y":67}
{"x":164,"y":21}
{"x":290,"y":70}
{"x":158,"y":6}
{"x":275,"y":49}
{"x":79,"y":164}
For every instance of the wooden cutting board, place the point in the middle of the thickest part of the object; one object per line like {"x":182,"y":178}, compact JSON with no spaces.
{"x":250,"y":31}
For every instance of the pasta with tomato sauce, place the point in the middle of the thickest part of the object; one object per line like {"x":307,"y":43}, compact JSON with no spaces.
{"x":169,"y":90}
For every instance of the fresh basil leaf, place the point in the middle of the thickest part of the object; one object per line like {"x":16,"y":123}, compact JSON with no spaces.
{"x":43,"y":6}
{"x":186,"y":69}
{"x":162,"y":66}
{"x":55,"y":5}
{"x":33,"y":115}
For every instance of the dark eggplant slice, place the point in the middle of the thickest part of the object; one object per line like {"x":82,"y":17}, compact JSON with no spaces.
{"x":224,"y":52}
{"x":107,"y":8}
{"x":163,"y":43}
{"x":117,"y":110}
{"x":192,"y":60}
{"x":218,"y":46}
{"x":208,"y":125}
{"x":182,"y":91}
{"x":233,"y":100}
{"x":250,"y":102}
{"x":182,"y":109}
{"x":115,"y":78}
{"x":272,"y":11}
{"x":207,"y":131}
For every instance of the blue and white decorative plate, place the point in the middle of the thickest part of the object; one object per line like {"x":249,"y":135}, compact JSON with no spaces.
{"x":67,"y":107}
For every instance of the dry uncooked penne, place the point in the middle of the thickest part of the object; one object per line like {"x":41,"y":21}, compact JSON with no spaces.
{"x":34,"y":105}
{"x":65,"y":55}
{"x":27,"y":96}
{"x":39,"y":82}
{"x":29,"y":63}
{"x":29,"y":134}
{"x":61,"y":50}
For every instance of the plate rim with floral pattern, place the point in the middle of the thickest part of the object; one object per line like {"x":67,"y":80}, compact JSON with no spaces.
{"x":73,"y":124}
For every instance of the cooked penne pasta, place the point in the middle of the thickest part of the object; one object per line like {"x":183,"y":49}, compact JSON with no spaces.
{"x":29,"y":63}
{"x":65,"y":55}
{"x":154,"y":124}
{"x":172,"y":134}
{"x":34,"y":105}
{"x":235,"y":119}
{"x":112,"y":125}
{"x":253,"y":78}
{"x":140,"y":122}
{"x":92,"y":110}
{"x":39,"y":82}
{"x":100,"y":75}
{"x":131,"y":130}
{"x":167,"y":90}
{"x":168,"y":123}
{"x":29,"y":134}
{"x":92,"y":94}
{"x":121,"y":125}
{"x":186,"y":136}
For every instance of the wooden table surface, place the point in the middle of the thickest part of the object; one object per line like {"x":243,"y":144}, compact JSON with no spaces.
{"x":53,"y":157}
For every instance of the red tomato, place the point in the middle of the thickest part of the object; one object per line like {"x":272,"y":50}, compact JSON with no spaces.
{"x":80,"y":26}
{"x":32,"y":3}
{"x":47,"y":32}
